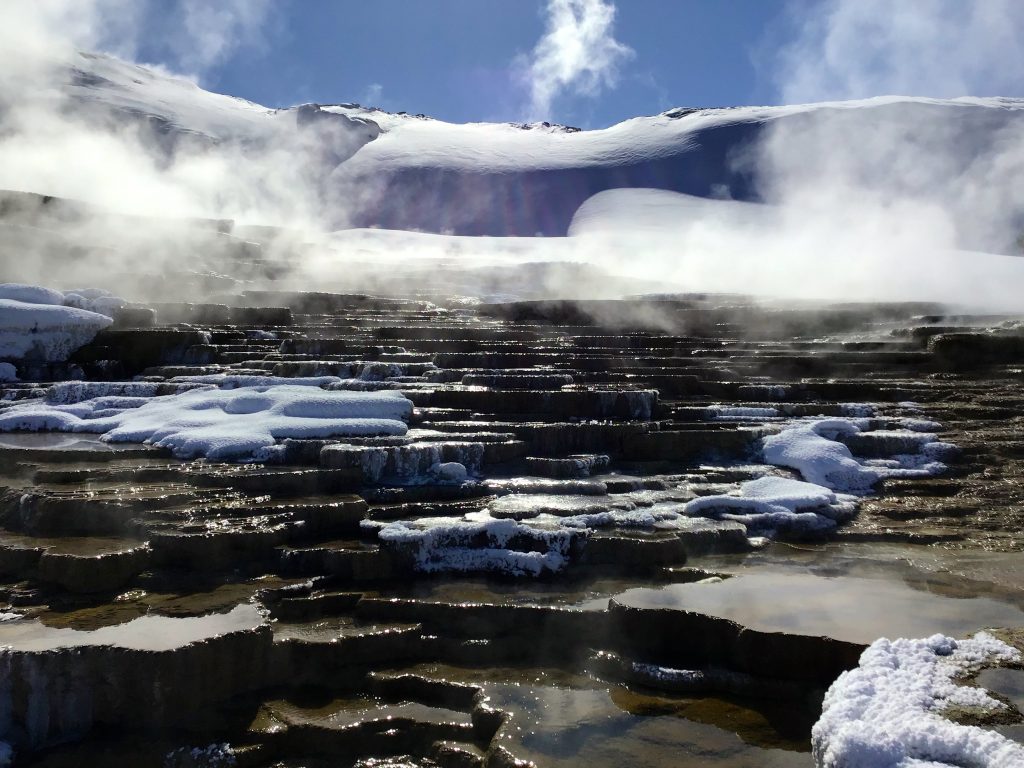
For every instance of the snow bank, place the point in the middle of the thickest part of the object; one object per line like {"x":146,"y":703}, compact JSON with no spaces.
{"x":94,"y":300}
{"x":770,"y":504}
{"x":43,"y":330}
{"x":31,"y":294}
{"x":239,"y":424}
{"x":479,"y":544}
{"x":814,"y":449}
{"x":886,"y":712}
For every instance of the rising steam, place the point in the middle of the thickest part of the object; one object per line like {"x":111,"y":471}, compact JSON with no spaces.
{"x":856,"y":202}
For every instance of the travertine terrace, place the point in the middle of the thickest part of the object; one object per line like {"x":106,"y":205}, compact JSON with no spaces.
{"x":200,"y":613}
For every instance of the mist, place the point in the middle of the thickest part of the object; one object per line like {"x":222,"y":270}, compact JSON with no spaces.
{"x":900,"y":200}
{"x":884,"y":199}
{"x":158,"y":196}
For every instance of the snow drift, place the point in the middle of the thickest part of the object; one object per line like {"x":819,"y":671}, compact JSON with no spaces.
{"x":43,"y":330}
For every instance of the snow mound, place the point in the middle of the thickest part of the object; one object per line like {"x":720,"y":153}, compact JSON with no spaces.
{"x":770,"y":504}
{"x":95,"y":300}
{"x":42,"y":329}
{"x":886,"y":713}
{"x":814,"y":449}
{"x":231,"y":425}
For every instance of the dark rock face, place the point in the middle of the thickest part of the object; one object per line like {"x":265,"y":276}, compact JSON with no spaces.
{"x":63,"y":693}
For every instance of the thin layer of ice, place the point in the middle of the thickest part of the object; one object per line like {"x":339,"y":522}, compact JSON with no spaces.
{"x":479,"y":544}
{"x":741,"y":413}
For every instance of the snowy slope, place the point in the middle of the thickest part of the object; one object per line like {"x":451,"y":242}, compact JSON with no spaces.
{"x":414,"y":173}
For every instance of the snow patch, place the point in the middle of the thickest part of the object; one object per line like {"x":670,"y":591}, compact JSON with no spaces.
{"x":449,"y":472}
{"x":227,"y":425}
{"x":886,"y":713}
{"x":813,"y":448}
{"x":813,"y":451}
{"x":770,"y":504}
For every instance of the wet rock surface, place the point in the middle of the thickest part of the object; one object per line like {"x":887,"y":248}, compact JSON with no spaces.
{"x":523,"y":575}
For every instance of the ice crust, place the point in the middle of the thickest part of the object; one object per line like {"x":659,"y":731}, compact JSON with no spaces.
{"x":447,"y":544}
{"x":886,"y":713}
{"x":221,"y":424}
{"x":741,"y":413}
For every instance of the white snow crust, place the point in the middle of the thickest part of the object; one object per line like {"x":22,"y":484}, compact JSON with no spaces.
{"x":886,"y":713}
{"x":233,"y":424}
{"x":769,"y":503}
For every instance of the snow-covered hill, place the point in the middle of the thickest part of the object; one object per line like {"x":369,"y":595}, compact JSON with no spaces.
{"x":891,"y":197}
{"x":415,"y":173}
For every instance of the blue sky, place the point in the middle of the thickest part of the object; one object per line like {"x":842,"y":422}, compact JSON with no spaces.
{"x":588,"y":63}
{"x":462,"y":60}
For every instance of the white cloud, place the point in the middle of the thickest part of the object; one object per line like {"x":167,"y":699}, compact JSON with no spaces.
{"x":577,"y":53}
{"x":943,"y":48}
